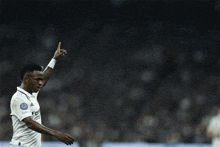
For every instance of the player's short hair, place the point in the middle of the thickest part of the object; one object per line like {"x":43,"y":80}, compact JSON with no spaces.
{"x":30,"y":68}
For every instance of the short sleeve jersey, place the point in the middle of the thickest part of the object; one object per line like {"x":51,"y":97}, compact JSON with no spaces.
{"x":24,"y":104}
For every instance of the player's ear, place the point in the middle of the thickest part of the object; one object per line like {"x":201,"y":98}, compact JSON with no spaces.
{"x":26,"y":78}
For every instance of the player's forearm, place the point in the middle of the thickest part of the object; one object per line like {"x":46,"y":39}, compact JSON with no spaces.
{"x":41,"y":128}
{"x":47,"y":74}
{"x":48,"y":70}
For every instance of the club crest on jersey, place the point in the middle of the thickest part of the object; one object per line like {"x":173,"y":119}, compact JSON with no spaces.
{"x":24,"y":106}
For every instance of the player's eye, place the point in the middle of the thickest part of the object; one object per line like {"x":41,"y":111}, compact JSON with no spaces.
{"x":41,"y":79}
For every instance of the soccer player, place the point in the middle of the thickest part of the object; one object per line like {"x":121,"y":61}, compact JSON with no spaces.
{"x":213,"y":129}
{"x":25,"y":109}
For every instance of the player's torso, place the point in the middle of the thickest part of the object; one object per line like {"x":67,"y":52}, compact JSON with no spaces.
{"x":21,"y":133}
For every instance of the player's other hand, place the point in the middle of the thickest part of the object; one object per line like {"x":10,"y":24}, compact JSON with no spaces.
{"x":65,"y":138}
{"x":59,"y":52}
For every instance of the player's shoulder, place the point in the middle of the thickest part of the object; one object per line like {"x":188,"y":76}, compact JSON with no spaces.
{"x":18,"y":96}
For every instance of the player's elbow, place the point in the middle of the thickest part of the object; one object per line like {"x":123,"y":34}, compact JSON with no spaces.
{"x":28,"y":121}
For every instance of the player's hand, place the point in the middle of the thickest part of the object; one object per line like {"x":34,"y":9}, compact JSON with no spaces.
{"x":65,"y":138}
{"x":59,"y":52}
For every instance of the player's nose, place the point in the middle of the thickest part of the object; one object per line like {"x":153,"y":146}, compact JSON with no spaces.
{"x":40,"y":83}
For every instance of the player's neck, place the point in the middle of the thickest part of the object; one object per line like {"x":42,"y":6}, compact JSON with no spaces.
{"x":25,"y":87}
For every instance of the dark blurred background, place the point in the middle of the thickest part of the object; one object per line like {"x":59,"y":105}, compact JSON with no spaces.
{"x":135,"y":71}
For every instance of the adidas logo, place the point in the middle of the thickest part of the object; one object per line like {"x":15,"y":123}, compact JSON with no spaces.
{"x":32,"y":104}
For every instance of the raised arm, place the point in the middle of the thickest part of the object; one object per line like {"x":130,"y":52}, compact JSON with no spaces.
{"x":48,"y":70}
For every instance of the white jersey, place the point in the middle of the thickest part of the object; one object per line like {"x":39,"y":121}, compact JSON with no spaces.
{"x":214,"y":126}
{"x":24,"y":104}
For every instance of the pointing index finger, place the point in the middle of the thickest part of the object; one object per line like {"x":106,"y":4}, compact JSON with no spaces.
{"x":58,"y":47}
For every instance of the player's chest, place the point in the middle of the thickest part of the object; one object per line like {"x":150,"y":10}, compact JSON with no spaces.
{"x":34,"y":105}
{"x":35,"y":110}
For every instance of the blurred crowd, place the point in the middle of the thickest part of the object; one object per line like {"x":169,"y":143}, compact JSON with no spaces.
{"x":118,"y":83}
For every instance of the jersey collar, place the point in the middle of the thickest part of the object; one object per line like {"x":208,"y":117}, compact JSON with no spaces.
{"x":24,"y":92}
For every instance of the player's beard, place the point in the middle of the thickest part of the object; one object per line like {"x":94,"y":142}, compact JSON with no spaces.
{"x":33,"y":89}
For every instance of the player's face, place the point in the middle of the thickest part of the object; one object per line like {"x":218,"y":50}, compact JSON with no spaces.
{"x":36,"y":81}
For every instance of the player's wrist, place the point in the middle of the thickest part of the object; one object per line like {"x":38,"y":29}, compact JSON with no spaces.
{"x":52,"y":63}
{"x":55,"y":57}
